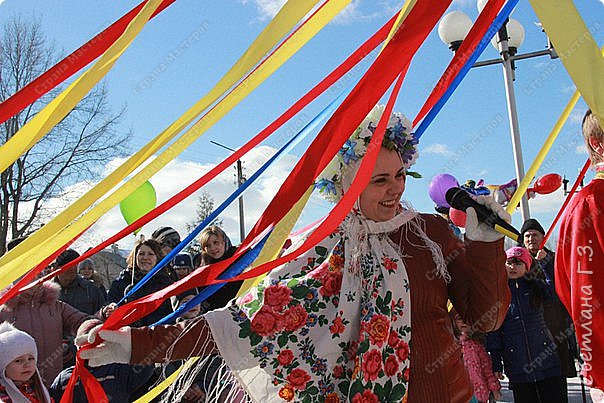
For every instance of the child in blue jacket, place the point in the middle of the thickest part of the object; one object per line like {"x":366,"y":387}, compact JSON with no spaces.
{"x":523,"y":347}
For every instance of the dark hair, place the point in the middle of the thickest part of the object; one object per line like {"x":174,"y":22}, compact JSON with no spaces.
{"x":151,"y":243}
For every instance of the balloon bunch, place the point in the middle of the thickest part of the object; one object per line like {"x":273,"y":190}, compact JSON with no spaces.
{"x":439,"y":185}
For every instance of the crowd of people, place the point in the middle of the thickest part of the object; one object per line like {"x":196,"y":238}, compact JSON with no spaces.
{"x":392,"y":306}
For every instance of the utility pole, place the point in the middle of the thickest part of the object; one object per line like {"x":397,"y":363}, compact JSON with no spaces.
{"x":240,"y":180}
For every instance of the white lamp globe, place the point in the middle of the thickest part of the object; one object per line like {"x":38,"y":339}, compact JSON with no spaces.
{"x":515,"y":36}
{"x":454,"y":27}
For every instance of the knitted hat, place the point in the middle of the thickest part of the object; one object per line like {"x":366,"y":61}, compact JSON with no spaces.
{"x":166,"y":236}
{"x":86,"y":263}
{"x":15,"y":343}
{"x":531,"y":223}
{"x":66,"y":257}
{"x":183,"y":260}
{"x":520,"y":253}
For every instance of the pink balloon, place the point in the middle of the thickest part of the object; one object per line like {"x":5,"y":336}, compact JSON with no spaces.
{"x":438,"y":188}
{"x":458,"y":217}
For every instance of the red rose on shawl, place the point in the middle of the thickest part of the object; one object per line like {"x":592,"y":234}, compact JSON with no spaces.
{"x":332,"y":398}
{"x":336,"y":262}
{"x":402,"y":351}
{"x":378,"y":328}
{"x":338,"y":371}
{"x":320,"y":271}
{"x":372,"y":364}
{"x":298,"y":378}
{"x":294,"y":318}
{"x":266,"y":322}
{"x":391,"y":366}
{"x":277,"y":296}
{"x":332,"y":283}
{"x":389,"y":264}
{"x":406,"y":374}
{"x":285,"y":357}
{"x":287,"y":393}
{"x":337,"y":326}
{"x":367,"y":397}
{"x":393,"y":339}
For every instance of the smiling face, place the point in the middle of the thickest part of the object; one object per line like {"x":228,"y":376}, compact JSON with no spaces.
{"x":145,"y":258}
{"x":515,"y":268}
{"x":380,"y":199}
{"x":215,"y":247}
{"x":21,"y":369}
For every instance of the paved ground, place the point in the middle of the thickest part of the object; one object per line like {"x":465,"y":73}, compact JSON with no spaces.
{"x":574,"y":392}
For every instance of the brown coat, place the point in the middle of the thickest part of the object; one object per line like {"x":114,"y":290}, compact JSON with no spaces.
{"x":478,"y":290}
{"x":46,"y":319}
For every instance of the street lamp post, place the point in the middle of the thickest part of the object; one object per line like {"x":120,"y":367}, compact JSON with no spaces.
{"x":452,"y":30}
{"x":240,"y":180}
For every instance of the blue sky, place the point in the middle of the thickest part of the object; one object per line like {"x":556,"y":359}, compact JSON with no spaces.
{"x":157,"y":91}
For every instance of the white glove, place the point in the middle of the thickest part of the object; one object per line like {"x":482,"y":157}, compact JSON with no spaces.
{"x":477,"y":231}
{"x":115,"y":348}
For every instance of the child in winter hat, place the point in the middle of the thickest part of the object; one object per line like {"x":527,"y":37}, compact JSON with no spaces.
{"x":20,"y":381}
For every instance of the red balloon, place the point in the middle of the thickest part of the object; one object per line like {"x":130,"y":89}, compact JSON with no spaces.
{"x":458,"y":217}
{"x":547,"y":184}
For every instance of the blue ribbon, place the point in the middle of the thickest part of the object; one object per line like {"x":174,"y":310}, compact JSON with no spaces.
{"x":234,"y":270}
{"x":310,"y":126}
{"x":495,"y":26}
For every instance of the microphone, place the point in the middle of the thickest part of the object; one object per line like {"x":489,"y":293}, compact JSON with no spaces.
{"x":460,"y":199}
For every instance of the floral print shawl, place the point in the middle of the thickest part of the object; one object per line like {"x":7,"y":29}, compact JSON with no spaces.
{"x":330,"y":326}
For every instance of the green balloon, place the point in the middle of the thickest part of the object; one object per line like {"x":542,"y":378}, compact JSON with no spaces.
{"x":139,"y":203}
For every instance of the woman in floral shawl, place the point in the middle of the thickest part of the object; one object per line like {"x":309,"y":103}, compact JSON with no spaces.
{"x":336,"y":323}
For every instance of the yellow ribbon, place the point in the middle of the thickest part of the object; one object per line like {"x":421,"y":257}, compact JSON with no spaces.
{"x":287,"y":17}
{"x":526,"y":181}
{"x":59,"y":107}
{"x":284,"y":227}
{"x":22,"y":258}
{"x":577,"y":49}
{"x":153,"y":393}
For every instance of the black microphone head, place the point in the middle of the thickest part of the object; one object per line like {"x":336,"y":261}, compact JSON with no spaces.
{"x":458,"y":198}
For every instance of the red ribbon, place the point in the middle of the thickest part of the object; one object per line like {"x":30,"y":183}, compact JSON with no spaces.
{"x":393,"y":60}
{"x":327,"y":82}
{"x":569,"y":196}
{"x":71,"y":64}
{"x":477,"y":32}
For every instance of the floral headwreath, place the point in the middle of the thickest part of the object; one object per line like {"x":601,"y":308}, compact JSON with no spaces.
{"x":397,"y":137}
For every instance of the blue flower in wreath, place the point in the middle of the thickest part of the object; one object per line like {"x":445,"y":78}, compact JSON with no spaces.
{"x":347,"y":152}
{"x":326,"y":186}
{"x":265,"y":349}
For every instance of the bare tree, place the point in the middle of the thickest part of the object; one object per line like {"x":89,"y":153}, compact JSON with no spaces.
{"x":75,"y":151}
